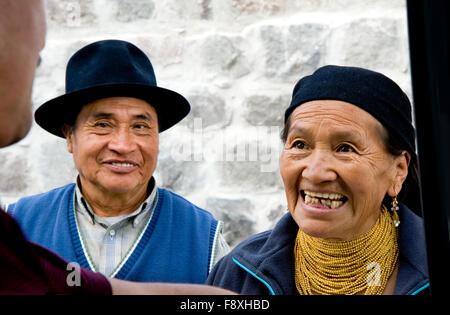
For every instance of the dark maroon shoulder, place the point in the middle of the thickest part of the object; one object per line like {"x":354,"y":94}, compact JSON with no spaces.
{"x":27,"y":268}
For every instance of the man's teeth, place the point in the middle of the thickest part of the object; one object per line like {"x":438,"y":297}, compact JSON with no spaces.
{"x":122,"y":164}
{"x":332,"y":200}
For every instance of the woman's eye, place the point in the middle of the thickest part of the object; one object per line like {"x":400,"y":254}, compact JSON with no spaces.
{"x":345,"y":148}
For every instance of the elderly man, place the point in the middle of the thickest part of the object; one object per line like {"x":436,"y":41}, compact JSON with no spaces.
{"x":114,"y":219}
{"x":27,"y":268}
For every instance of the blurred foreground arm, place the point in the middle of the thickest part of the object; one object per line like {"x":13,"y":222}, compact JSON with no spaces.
{"x":122,"y":287}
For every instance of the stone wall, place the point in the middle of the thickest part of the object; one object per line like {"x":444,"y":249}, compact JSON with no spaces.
{"x":236,"y":61}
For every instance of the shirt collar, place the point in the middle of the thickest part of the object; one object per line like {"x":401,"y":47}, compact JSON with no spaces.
{"x":84,"y":208}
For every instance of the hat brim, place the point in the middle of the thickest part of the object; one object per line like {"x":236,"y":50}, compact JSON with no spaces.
{"x":170,"y":106}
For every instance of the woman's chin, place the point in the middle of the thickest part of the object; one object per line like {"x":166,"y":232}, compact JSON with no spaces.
{"x":317,"y":230}
{"x":317,"y":226}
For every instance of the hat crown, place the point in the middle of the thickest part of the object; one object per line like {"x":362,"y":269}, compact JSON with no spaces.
{"x":108,"y":62}
{"x":110,"y":68}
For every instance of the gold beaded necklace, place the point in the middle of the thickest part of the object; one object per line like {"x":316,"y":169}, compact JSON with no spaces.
{"x":362,"y":265}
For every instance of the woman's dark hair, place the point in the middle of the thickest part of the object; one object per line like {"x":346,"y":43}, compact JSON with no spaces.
{"x":285,"y":130}
{"x":410,"y":193}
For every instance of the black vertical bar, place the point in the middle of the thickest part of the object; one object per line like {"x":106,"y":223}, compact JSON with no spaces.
{"x":429,"y":40}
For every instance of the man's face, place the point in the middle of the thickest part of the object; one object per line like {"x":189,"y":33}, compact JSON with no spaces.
{"x":114,"y":144}
{"x":22,"y":36}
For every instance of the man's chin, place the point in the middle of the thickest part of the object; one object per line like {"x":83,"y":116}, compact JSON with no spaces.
{"x":119,"y":190}
{"x":120,"y":187}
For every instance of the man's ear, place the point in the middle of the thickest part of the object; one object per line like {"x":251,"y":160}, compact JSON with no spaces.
{"x":67,"y":131}
{"x":401,"y":163}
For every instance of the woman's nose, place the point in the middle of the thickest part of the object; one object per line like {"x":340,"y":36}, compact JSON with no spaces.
{"x":318,"y":167}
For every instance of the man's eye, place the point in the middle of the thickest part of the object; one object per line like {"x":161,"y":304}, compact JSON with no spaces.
{"x":142,"y":128}
{"x":299,"y":144}
{"x":345,"y":148}
{"x":102,"y":125}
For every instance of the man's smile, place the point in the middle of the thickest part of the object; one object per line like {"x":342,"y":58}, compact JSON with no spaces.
{"x":121,"y":166}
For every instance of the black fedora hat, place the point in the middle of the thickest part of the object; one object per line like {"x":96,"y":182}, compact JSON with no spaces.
{"x":110,"y":68}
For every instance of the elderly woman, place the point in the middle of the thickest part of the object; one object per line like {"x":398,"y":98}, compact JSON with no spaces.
{"x":350,"y":175}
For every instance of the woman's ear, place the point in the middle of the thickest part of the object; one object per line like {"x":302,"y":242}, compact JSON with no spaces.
{"x":401,"y":164}
{"x":68,"y":132}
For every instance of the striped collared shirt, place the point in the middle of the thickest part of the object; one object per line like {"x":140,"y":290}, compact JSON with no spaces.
{"x":108,"y":240}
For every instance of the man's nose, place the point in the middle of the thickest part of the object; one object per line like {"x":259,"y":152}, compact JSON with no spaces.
{"x":319,"y":168}
{"x":122,"y":141}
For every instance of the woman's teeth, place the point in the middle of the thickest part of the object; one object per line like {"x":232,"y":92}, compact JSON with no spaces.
{"x":332,"y":200}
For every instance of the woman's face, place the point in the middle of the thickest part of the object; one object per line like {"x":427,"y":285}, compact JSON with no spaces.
{"x":336,"y":169}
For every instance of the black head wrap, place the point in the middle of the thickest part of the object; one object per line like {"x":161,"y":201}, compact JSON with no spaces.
{"x":371,"y":91}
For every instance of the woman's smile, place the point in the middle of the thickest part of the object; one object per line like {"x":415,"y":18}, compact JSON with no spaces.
{"x":323,"y":201}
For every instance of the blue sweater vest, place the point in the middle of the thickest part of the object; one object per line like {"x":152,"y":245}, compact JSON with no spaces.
{"x":176,"y":245}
